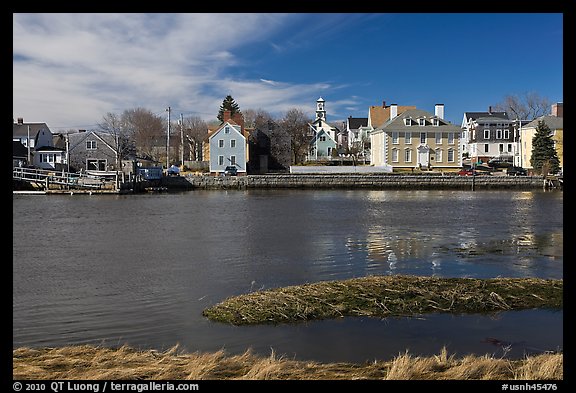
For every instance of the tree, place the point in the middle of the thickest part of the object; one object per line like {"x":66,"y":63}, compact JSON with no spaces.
{"x":228,"y":104}
{"x":123,"y":143}
{"x":148,"y":132}
{"x":195,"y":130}
{"x":525,"y":107}
{"x":297,"y":125}
{"x":544,"y":156}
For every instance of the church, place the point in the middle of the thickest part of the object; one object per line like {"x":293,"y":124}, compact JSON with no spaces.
{"x":324,"y":136}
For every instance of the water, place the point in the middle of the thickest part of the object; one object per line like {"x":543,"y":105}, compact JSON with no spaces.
{"x":139,"y":269}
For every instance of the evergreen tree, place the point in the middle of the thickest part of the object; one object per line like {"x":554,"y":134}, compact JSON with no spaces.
{"x":544,"y":156}
{"x":230,"y":105}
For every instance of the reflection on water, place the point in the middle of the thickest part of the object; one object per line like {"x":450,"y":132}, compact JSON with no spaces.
{"x":140,"y":269}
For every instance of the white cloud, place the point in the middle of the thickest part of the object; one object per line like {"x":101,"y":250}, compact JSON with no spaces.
{"x":71,"y":69}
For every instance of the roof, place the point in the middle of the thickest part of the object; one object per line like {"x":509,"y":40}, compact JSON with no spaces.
{"x":491,"y":119}
{"x":476,"y":115}
{"x":18,"y":149}
{"x":379,"y":114}
{"x":50,"y":148}
{"x":357,"y":122}
{"x":234,"y":125}
{"x":553,"y":122}
{"x":397,"y":124}
{"x":76,"y":138}
{"x":21,"y":130}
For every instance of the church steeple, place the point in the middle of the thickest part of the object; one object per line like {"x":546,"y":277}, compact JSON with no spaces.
{"x":320,"y":110}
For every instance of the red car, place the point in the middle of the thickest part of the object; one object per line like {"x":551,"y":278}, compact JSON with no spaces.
{"x":466,"y":172}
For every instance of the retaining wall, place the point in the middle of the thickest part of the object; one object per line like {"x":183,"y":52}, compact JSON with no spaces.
{"x":373,"y":181}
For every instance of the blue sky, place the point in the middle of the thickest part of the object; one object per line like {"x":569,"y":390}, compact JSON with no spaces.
{"x":69,"y":70}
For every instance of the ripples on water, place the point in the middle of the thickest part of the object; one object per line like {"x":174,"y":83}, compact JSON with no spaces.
{"x":140,"y":269}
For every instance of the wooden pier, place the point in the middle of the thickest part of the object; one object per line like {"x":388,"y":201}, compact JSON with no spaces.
{"x":50,"y":181}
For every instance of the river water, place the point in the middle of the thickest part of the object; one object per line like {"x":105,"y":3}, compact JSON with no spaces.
{"x":139,"y":269}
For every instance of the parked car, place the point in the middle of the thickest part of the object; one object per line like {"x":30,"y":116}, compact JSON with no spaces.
{"x":230,"y":171}
{"x":466,"y":172}
{"x":516,"y":171}
{"x":500,"y":162}
{"x":173,"y":171}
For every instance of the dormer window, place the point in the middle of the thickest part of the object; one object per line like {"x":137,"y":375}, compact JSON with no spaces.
{"x":421,"y":122}
{"x":435,"y":122}
{"x":408,"y":121}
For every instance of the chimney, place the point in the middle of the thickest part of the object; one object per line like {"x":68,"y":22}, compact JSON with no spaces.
{"x":81,"y":130}
{"x":393,"y":111}
{"x":20,"y":121}
{"x":226,"y":115}
{"x":558,"y":109}
{"x":439,"y":110}
{"x":383,"y":104}
{"x":238,"y":118}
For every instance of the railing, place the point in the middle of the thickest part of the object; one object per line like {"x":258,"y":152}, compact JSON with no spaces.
{"x":44,"y":177}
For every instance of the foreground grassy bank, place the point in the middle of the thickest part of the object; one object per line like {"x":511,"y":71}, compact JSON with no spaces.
{"x":125,"y":363}
{"x":383,"y":296}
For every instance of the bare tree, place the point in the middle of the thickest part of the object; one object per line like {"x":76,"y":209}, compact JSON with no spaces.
{"x":195,"y":130}
{"x":123,"y":143}
{"x":527,"y":106}
{"x":296,"y":124}
{"x":147,"y":130}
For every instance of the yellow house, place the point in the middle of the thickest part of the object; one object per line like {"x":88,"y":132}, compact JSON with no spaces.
{"x":555,"y":123}
{"x":416,"y":139}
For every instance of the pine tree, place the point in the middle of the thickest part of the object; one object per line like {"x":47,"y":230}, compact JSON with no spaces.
{"x":228,"y":104}
{"x":544,"y":156}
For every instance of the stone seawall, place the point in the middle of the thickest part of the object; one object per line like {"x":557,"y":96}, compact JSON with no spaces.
{"x":351,"y":181}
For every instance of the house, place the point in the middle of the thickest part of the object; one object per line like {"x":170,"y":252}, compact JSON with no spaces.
{"x":358,"y":136}
{"x":92,"y":151}
{"x":19,"y":154}
{"x":416,"y":139}
{"x":270,"y":149}
{"x":488,"y":135}
{"x":378,"y":115}
{"x":554,"y":121}
{"x":323,"y":135}
{"x":38,"y":139}
{"x":227,"y":146}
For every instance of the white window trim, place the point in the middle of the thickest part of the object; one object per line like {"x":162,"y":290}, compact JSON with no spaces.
{"x":486,"y":134}
{"x":408,"y":122}
{"x":452,"y":153}
{"x":220,"y":160}
{"x":395,"y":153}
{"x":425,"y":137}
{"x":407,"y":155}
{"x":395,"y":137}
{"x":438,"y":136}
{"x":451,"y":138}
{"x":438,"y":155}
{"x":232,"y":160}
{"x":232,"y":143}
{"x":408,"y":137}
{"x":220,"y":143}
{"x":498,"y":133}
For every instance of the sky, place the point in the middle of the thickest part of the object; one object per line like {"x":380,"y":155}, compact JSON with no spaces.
{"x":70,"y":70}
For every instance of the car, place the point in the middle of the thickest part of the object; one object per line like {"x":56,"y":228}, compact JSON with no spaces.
{"x":466,"y":172}
{"x":516,"y":171}
{"x":230,"y":170}
{"x":500,"y":162}
{"x":173,"y":171}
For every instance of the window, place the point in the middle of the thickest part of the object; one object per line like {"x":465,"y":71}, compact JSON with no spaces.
{"x":486,"y":134}
{"x":438,"y":155}
{"x":421,"y":122}
{"x":506,"y":134}
{"x":438,"y":138}
{"x":90,"y":145}
{"x":450,"y":155}
{"x":408,"y":121}
{"x":435,"y":122}
{"x":498,"y":133}
{"x":408,"y":138}
{"x":323,"y":138}
{"x":232,"y":142}
{"x":394,"y":155}
{"x":509,"y":148}
{"x":450,"y":138}
{"x":220,"y":160}
{"x":226,"y":130}
{"x":423,"y":137}
{"x":407,"y":155}
{"x":232,"y":160}
{"x":220,"y":142}
{"x":395,"y":137}
{"x":485,"y":148}
{"x":501,"y":147}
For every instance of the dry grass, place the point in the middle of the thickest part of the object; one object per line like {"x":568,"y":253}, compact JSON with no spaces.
{"x":125,"y":363}
{"x":384,"y":296}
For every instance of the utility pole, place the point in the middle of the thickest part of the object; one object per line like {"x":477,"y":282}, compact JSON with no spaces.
{"x":168,"y":141}
{"x":28,"y":144}
{"x":182,"y":141}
